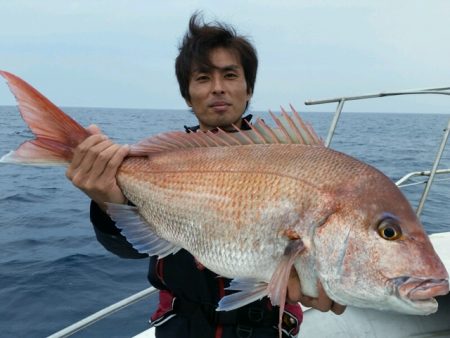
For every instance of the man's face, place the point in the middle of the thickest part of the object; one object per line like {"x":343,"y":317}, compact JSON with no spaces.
{"x":219,"y":94}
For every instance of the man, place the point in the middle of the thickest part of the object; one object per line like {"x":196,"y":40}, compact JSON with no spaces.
{"x":216,"y":72}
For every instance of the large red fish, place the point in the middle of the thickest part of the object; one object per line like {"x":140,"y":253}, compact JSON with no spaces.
{"x":250,"y":205}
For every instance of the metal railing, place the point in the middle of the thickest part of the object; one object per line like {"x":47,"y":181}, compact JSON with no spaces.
{"x":341,"y":101}
{"x":85,"y":322}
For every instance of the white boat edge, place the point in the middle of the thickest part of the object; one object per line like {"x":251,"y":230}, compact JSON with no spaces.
{"x":371,"y":323}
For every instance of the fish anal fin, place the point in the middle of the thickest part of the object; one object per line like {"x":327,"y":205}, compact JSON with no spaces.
{"x":138,"y":232}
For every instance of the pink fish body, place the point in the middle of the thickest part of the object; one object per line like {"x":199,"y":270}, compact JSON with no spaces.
{"x":250,"y":205}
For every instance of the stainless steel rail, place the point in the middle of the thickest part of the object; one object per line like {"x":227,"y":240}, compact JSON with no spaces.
{"x":426,"y":190}
{"x":341,"y":101}
{"x":70,"y":330}
{"x":402,"y":182}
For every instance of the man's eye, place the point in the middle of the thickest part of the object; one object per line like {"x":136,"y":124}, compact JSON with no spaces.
{"x":230,"y":75}
{"x":202,"y":78}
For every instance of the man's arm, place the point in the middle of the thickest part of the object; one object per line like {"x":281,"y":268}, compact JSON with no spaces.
{"x":93,"y":170}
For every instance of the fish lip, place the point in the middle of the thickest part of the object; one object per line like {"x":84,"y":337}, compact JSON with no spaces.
{"x":416,"y":289}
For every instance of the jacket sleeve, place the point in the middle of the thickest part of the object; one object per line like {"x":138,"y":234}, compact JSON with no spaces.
{"x":109,"y":235}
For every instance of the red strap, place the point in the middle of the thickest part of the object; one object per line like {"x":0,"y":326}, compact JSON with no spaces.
{"x":296,"y":311}
{"x":219,"y":328}
{"x":160,"y":270}
{"x":165,"y":305}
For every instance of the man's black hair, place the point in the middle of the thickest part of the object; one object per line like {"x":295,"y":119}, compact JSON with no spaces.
{"x":200,"y":40}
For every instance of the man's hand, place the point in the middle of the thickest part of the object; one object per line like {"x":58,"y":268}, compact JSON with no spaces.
{"x":322,"y":302}
{"x":94,"y":166}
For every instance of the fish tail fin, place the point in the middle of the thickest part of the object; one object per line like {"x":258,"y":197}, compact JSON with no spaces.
{"x":56,"y":134}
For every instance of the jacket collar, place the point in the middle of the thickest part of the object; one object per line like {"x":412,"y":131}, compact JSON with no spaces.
{"x":244,"y":126}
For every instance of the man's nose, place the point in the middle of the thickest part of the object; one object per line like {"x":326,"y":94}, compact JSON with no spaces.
{"x":218,"y":85}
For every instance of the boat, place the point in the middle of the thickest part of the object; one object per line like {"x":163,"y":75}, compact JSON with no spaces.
{"x":354,"y":322}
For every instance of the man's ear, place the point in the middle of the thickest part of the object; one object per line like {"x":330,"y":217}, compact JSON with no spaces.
{"x":249,"y":95}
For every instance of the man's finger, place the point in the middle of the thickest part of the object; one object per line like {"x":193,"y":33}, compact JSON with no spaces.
{"x":116,"y":160}
{"x":294,"y":292}
{"x":325,"y":303}
{"x":82,"y":149}
{"x":338,"y":308}
{"x":94,"y":129}
{"x":103,"y":160}
{"x":93,"y":155}
{"x":323,"y":299}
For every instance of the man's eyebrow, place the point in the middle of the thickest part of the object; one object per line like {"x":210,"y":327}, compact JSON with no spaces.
{"x":205,"y":69}
{"x":227,"y":68}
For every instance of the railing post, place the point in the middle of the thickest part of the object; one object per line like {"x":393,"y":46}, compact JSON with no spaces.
{"x":426,"y":190}
{"x":336,"y":116}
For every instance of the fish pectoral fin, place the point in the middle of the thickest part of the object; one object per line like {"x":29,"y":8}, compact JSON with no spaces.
{"x":249,"y":290}
{"x":138,"y":232}
{"x":278,"y":284}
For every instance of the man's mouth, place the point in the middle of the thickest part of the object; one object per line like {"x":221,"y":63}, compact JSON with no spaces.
{"x":219,"y":106}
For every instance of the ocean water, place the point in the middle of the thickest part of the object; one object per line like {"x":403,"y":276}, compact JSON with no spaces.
{"x":53,"y":271}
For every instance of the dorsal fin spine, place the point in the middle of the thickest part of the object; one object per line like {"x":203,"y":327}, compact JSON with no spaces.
{"x":281,"y":127}
{"x":201,"y":140}
{"x":245,"y":135}
{"x":258,"y":134}
{"x":266,"y":128}
{"x":292,"y":126}
{"x":173,"y":140}
{"x":212,"y":139}
{"x":229,"y":137}
{"x":306,"y":127}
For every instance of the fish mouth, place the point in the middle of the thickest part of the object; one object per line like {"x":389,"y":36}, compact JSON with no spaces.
{"x":420,"y":292}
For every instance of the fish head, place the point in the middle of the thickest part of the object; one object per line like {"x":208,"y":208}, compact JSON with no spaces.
{"x":373,"y":252}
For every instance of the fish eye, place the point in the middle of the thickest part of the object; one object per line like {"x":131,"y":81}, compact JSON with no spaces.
{"x":389,"y":229}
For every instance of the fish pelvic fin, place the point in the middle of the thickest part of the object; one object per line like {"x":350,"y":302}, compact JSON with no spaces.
{"x":290,"y":129}
{"x":56,"y":133}
{"x":248,"y":291}
{"x":138,"y":232}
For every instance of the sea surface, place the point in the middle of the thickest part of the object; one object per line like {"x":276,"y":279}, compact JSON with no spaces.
{"x":53,"y":272}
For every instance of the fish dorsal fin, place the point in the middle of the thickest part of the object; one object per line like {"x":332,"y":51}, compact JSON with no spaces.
{"x":291,"y":129}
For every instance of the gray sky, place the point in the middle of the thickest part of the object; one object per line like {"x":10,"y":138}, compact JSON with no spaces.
{"x":117,"y":53}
